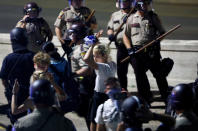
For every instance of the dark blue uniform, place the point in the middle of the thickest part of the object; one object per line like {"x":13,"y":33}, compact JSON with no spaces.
{"x":17,"y":65}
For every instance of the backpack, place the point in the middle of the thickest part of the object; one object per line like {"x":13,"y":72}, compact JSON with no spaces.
{"x":69,"y":85}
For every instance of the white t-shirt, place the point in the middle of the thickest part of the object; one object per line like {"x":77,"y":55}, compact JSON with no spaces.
{"x":104,"y":71}
{"x":108,"y":114}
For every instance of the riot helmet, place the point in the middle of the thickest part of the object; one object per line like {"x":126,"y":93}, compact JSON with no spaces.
{"x":125,"y":4}
{"x":19,"y":39}
{"x":77,"y":32}
{"x":42,"y":92}
{"x":32,"y":9}
{"x":141,"y":5}
{"x":77,"y":4}
{"x":182,"y":97}
{"x":132,"y":111}
{"x":48,"y":47}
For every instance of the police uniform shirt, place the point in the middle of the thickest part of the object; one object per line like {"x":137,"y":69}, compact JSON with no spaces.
{"x":115,"y":21}
{"x":37,"y":32}
{"x":107,"y":114}
{"x":142,"y":30}
{"x":34,"y":121}
{"x":67,"y":15}
{"x":77,"y":57}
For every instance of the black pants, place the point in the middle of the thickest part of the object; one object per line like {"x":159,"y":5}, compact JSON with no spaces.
{"x":141,"y":63}
{"x":122,"y":68}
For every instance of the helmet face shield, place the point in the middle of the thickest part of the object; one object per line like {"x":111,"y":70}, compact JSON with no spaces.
{"x":125,"y":4}
{"x":142,"y":5}
{"x":33,"y":13}
{"x":32,"y":9}
{"x":77,"y":3}
{"x":77,"y":32}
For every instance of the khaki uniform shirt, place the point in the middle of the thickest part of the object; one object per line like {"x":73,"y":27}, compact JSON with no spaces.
{"x":37,"y":32}
{"x":77,"y":57}
{"x":34,"y":120}
{"x":67,"y":15}
{"x":141,"y":30}
{"x":114,"y":23}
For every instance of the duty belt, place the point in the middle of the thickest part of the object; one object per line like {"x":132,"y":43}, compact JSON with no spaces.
{"x":119,"y":44}
{"x":137,"y":47}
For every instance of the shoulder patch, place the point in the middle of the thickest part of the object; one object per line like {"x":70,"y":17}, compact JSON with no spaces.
{"x":60,"y":14}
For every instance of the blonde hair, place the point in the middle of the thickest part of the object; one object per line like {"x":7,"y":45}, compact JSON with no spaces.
{"x":102,"y":50}
{"x":41,"y":58}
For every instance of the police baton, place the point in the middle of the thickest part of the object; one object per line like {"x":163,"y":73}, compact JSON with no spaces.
{"x":124,"y":21}
{"x":153,"y":41}
{"x":90,"y":15}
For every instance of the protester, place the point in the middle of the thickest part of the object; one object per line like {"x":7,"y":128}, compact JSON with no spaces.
{"x":44,"y":117}
{"x":61,"y":71}
{"x":41,"y":63}
{"x":108,"y":113}
{"x":97,"y":57}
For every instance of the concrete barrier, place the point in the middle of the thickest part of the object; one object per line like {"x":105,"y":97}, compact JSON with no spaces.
{"x":183,"y":52}
{"x":192,"y":2}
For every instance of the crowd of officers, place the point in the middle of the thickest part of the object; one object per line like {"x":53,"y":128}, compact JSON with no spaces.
{"x":41,"y":82}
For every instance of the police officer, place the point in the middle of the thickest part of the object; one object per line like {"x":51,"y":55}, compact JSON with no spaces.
{"x":83,"y":73}
{"x":182,"y":100}
{"x":37,"y":28}
{"x":142,"y":27}
{"x":17,"y":65}
{"x":114,"y":23}
{"x":135,"y":111}
{"x":44,"y":117}
{"x":70,"y":15}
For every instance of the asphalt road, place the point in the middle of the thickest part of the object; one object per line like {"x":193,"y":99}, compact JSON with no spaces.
{"x":170,"y":14}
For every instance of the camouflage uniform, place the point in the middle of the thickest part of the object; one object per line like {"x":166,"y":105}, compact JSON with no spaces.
{"x":38,"y":32}
{"x":140,"y":31}
{"x":122,"y":68}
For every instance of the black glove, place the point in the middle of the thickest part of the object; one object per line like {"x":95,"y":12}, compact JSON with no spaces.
{"x":112,"y":37}
{"x":66,"y":48}
{"x":131,"y":52}
{"x":88,"y":23}
{"x":67,"y":41}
